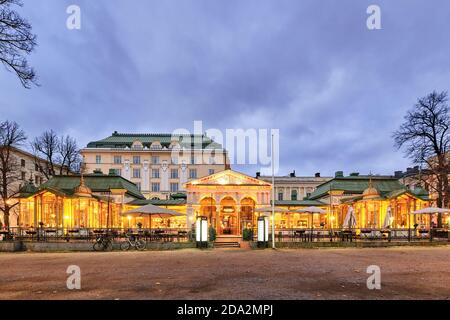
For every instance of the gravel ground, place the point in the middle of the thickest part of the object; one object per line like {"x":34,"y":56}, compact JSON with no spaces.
{"x":406,"y":273}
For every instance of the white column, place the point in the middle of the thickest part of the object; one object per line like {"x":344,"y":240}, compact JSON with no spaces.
{"x":127,"y":170}
{"x":146,"y":177}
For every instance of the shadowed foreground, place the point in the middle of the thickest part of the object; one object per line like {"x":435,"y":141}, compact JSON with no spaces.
{"x":406,"y":273}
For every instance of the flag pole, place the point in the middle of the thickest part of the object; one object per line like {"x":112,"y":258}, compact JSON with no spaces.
{"x":273,"y":199}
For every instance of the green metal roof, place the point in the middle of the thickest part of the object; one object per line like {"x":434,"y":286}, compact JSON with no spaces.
{"x":300,"y":203}
{"x":168,"y":202}
{"x":357,"y":185}
{"x":96,"y":182}
{"x":122,"y":140}
{"x":27,"y":190}
{"x":388,"y":187}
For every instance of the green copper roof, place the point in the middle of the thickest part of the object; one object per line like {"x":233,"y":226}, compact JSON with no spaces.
{"x":96,"y":182}
{"x":169,"y":202}
{"x":27,"y":190}
{"x":357,"y":185}
{"x":122,"y":140}
{"x":300,"y":203}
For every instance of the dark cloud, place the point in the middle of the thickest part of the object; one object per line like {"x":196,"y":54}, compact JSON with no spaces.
{"x":310,"y":68}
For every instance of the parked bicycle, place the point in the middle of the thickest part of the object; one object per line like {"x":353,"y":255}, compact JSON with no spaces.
{"x":133,"y":241}
{"x":103,"y":243}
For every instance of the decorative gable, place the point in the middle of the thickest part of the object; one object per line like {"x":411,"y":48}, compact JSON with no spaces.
{"x":228,"y":177}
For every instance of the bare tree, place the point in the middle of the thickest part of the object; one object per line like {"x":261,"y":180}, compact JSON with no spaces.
{"x":46,"y":147}
{"x":11,"y":136}
{"x":16,"y":41}
{"x":425,"y":135}
{"x":61,"y":153}
{"x":69,"y":153}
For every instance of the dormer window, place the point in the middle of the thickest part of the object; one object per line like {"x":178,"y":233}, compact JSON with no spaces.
{"x":137,"y":145}
{"x":156,"y":145}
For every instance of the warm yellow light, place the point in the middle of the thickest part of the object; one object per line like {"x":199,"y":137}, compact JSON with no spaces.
{"x":332,"y":218}
{"x":66,"y":217}
{"x":129,"y":218}
{"x":191,"y":218}
{"x":222,"y":181}
{"x":53,"y":215}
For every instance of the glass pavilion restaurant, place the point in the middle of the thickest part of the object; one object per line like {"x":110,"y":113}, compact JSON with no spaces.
{"x":227,"y":199}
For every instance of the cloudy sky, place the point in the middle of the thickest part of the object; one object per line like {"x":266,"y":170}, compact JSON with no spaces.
{"x":312,"y":69}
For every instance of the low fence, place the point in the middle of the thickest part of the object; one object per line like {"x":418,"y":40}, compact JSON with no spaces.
{"x":89,"y":234}
{"x":359,"y":234}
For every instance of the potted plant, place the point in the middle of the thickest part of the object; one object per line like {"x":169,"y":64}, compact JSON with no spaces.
{"x":212,"y":234}
{"x":247,"y":234}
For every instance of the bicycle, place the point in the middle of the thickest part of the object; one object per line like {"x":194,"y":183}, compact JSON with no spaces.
{"x":132,"y":241}
{"x":103,"y":243}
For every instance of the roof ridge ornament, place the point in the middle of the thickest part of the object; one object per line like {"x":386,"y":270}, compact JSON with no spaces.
{"x":82,"y":190}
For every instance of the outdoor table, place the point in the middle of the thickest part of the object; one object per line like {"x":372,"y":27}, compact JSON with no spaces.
{"x":366,"y":233}
{"x":386,"y":232}
{"x":182,"y":234}
{"x":300,"y":234}
{"x":347,"y":235}
{"x":5,"y":234}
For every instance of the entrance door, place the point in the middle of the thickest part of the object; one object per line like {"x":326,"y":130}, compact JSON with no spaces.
{"x":228,"y":217}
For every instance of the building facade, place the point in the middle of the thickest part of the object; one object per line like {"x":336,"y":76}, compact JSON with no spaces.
{"x":292,"y":188}
{"x":159,"y":164}
{"x":28,"y":168}
{"x":228,"y":199}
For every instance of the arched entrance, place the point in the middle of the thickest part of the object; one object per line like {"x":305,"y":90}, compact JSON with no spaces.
{"x":247,"y":213}
{"x":208,"y":209}
{"x":228,"y":217}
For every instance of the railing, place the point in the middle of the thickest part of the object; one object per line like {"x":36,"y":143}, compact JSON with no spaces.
{"x":90,"y":234}
{"x":359,"y":234}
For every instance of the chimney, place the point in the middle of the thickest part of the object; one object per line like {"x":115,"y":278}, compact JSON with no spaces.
{"x":258,"y":174}
{"x":339,"y":174}
{"x":398,"y":174}
{"x":317,"y":175}
{"x":292,"y":174}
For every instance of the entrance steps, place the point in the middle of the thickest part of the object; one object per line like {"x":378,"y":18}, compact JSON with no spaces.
{"x":227,"y":245}
{"x":227,"y":241}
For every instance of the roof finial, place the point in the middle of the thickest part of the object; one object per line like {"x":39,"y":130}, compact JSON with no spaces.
{"x":82,"y":190}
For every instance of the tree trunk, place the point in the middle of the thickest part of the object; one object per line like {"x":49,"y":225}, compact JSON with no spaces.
{"x":6,"y":218}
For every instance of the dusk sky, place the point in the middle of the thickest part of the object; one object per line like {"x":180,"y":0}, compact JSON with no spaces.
{"x":312,"y":69}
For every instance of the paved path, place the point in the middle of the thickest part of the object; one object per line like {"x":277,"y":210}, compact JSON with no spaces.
{"x":406,"y":273}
